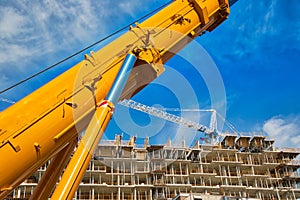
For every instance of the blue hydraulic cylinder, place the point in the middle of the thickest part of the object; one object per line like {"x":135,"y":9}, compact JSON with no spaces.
{"x":121,"y":78}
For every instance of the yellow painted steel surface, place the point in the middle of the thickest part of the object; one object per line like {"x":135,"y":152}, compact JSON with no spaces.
{"x":84,"y":152}
{"x":37,"y":127}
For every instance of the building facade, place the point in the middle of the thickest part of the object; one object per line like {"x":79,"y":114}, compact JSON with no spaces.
{"x":237,"y":168}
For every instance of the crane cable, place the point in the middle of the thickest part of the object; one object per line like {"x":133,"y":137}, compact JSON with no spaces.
{"x":86,"y":48}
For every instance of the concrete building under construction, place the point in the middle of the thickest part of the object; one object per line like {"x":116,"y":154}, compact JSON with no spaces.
{"x":241,"y":167}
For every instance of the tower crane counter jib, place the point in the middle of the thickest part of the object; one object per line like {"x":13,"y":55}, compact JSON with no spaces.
{"x":54,"y":116}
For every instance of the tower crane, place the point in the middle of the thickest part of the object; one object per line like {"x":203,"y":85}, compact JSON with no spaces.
{"x":164,"y":115}
{"x":211,"y":132}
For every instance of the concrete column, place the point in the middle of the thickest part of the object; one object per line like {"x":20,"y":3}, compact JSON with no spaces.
{"x":134,"y":194}
{"x":24,"y":192}
{"x":150,"y":194}
{"x":19,"y":193}
{"x":75,"y":195}
{"x":93,"y":193}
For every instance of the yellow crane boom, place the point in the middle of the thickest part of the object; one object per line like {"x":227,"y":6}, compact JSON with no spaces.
{"x":45,"y":124}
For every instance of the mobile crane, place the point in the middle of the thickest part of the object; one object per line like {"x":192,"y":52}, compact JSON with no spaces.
{"x":45,"y":124}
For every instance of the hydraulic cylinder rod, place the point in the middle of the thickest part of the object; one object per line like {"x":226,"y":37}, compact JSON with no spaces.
{"x":121,"y":79}
{"x":84,"y":152}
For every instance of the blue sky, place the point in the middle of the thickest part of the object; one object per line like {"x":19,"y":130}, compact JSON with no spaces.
{"x":255,"y":52}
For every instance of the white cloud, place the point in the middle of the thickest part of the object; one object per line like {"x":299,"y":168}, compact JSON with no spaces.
{"x":7,"y":100}
{"x":53,"y":26}
{"x":34,"y":35}
{"x":11,"y":22}
{"x":285,"y":130}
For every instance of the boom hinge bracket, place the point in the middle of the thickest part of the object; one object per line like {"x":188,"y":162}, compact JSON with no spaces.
{"x":179,"y":19}
{"x":151,"y":56}
{"x":91,"y":58}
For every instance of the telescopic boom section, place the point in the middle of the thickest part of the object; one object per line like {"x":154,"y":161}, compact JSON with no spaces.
{"x":42,"y":124}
